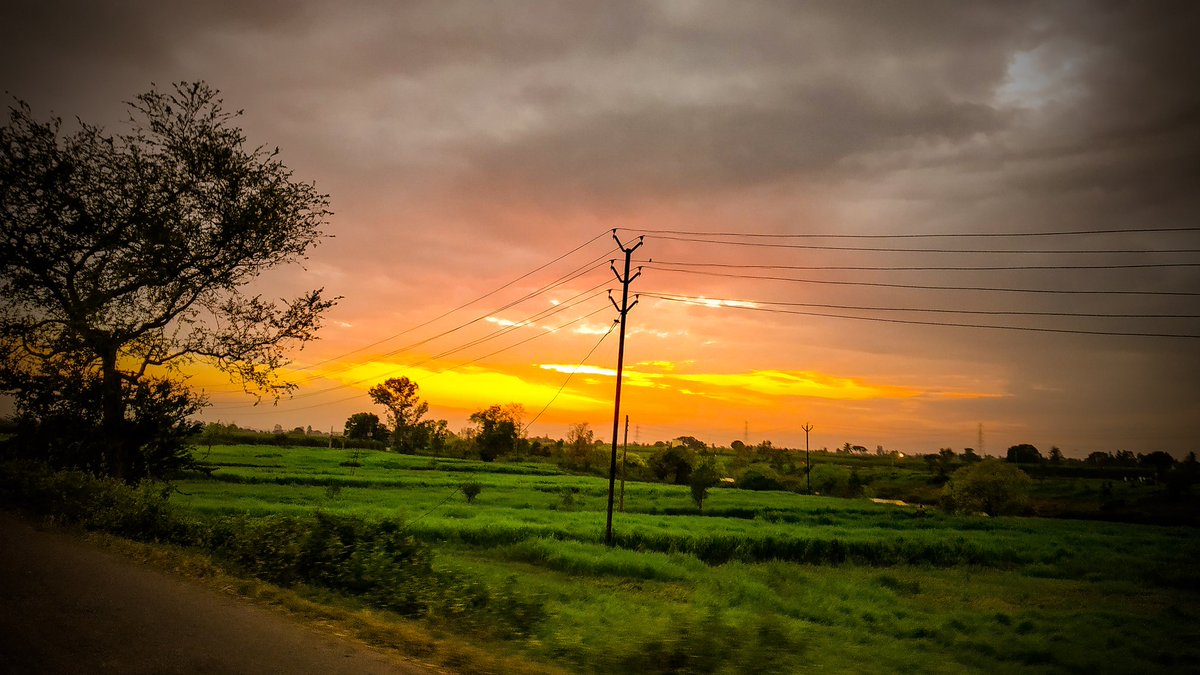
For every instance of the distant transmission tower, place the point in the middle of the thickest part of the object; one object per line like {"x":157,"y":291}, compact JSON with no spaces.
{"x":979,"y":442}
{"x":746,"y":431}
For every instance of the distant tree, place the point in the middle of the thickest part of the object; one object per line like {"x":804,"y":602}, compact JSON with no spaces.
{"x":580,"y":444}
{"x":497,"y":432}
{"x":1099,"y":459}
{"x":1161,"y":462}
{"x":124,"y":258}
{"x":433,"y":434}
{"x":737,"y":446}
{"x":692,"y":443}
{"x":672,"y":464}
{"x":1056,"y":455}
{"x":1023,"y":454}
{"x":969,"y":456}
{"x":990,"y":486}
{"x":1125,"y":458}
{"x":366,"y":426}
{"x":405,"y":410}
{"x":705,"y":474}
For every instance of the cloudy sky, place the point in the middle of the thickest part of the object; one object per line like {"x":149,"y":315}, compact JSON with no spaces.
{"x":466,"y":145}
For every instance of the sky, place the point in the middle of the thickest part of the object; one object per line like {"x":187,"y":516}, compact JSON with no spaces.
{"x":478,"y":156}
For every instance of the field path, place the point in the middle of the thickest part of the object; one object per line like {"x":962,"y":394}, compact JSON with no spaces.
{"x":69,"y":607}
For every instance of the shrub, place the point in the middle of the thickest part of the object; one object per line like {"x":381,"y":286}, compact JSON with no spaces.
{"x":760,"y":477}
{"x":993,"y":487}
{"x":471,"y":490}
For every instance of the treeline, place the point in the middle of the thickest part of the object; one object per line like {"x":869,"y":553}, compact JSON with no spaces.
{"x":215,"y":433}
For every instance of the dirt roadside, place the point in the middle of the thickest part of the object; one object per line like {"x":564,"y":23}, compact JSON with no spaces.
{"x":69,"y":607}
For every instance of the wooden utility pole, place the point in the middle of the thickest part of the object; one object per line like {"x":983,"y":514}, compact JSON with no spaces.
{"x":807,"y":463}
{"x":623,"y":309}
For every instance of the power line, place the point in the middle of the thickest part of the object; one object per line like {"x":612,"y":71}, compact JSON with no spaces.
{"x":577,"y":273}
{"x":916,"y":322}
{"x":570,"y":375}
{"x":494,"y":334}
{"x":536,"y":336}
{"x":922,"y":268}
{"x":911,"y":235}
{"x":720,"y":302}
{"x":918,"y":286}
{"x":466,"y":304}
{"x":874,"y":249}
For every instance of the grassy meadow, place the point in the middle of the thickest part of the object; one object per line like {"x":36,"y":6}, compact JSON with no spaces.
{"x":758,"y":581}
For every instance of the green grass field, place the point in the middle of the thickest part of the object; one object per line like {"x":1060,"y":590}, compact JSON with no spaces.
{"x":760,"y":581}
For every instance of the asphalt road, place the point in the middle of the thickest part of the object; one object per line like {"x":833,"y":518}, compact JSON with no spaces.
{"x":69,"y":607}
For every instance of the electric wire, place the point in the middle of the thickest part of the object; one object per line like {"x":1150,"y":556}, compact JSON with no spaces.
{"x":536,"y":336}
{"x":876,"y":249}
{"x":916,"y":322}
{"x":549,"y":403}
{"x":464,"y":305}
{"x":875,"y":284}
{"x":542,"y":314}
{"x":916,"y":235}
{"x":922,"y":268}
{"x":574,"y":274}
{"x":709,"y":302}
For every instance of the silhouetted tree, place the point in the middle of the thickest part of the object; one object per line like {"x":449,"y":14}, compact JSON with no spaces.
{"x":122,"y":254}
{"x":1023,"y":454}
{"x":581,"y":441}
{"x":405,"y":410}
{"x":366,"y":426}
{"x":497,"y":434}
{"x":1161,"y":462}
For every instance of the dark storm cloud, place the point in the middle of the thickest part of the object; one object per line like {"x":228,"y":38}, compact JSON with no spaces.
{"x":427,"y":120}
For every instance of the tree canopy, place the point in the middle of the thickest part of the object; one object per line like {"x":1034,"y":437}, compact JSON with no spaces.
{"x":405,"y":410}
{"x":366,"y":426}
{"x":127,"y":256}
{"x":499,"y":428}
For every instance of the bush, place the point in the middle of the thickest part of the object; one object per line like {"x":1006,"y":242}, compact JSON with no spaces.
{"x":990,"y":486}
{"x":379,"y":561}
{"x":471,"y":490}
{"x":760,"y":477}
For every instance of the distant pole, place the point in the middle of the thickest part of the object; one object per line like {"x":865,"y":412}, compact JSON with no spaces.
{"x":623,"y":310}
{"x":624,"y":456}
{"x":807,"y":463}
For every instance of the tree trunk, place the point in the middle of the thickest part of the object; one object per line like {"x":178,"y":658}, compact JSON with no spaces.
{"x":116,"y":451}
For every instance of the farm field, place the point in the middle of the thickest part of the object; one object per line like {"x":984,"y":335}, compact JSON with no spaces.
{"x":760,"y":581}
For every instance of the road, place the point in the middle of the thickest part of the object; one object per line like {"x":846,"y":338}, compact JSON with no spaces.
{"x":69,"y":607}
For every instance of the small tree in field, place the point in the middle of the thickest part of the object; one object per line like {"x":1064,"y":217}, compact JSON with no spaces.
{"x":705,"y":474}
{"x":471,"y":490}
{"x":991,"y":486}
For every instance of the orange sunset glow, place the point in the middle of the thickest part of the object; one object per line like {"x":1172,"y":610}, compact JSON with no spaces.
{"x":897,"y":223}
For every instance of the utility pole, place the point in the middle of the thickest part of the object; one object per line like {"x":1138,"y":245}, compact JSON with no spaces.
{"x":623,"y":309}
{"x":807,"y":464}
{"x":624,"y":456}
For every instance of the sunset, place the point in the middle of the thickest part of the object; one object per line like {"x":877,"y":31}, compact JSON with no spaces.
{"x":602,"y":337}
{"x":480,"y":159}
